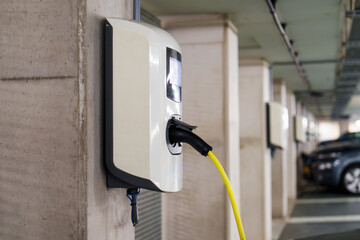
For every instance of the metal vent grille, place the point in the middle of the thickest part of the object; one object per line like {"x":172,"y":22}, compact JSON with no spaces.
{"x":149,"y":226}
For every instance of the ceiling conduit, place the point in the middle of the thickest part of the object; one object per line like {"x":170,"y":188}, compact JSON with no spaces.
{"x":296,"y":61}
{"x":348,"y":79}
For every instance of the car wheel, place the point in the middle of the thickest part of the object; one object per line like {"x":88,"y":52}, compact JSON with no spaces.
{"x":351,"y":179}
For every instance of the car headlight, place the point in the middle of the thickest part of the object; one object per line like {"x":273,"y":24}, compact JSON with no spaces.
{"x":335,"y":154}
{"x":325,"y":166}
{"x":336,"y":162}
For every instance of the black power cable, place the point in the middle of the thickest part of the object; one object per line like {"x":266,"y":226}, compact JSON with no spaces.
{"x":132,"y":194}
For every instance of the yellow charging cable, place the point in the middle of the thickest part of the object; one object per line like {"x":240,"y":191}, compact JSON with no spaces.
{"x":231,"y":194}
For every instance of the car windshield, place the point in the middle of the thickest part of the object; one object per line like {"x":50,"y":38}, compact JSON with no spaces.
{"x":350,"y":136}
{"x":338,"y":147}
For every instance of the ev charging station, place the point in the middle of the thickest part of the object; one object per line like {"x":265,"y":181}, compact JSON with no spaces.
{"x":143,"y":92}
{"x":277,"y":125}
{"x":300,"y":128}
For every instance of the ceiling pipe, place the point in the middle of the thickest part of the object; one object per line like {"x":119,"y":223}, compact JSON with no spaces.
{"x":136,"y":10}
{"x":293,"y":54}
{"x":351,"y":62}
{"x":349,"y":74}
{"x":348,"y":83}
{"x":321,"y":61}
{"x":350,"y":44}
{"x":353,"y":14}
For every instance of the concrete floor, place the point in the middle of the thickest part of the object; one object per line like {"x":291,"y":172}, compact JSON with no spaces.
{"x":319,"y":211}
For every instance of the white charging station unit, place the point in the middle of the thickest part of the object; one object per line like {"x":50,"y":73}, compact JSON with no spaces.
{"x":278,"y":125}
{"x":142,"y":92}
{"x":300,"y":128}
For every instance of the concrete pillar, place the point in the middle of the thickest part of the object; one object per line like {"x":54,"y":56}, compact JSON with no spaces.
{"x":344,"y":126}
{"x":52,"y":179}
{"x":279,"y":164}
{"x":210,"y":100}
{"x":291,"y":149}
{"x":255,"y":165}
{"x":312,"y":143}
{"x":301,"y":147}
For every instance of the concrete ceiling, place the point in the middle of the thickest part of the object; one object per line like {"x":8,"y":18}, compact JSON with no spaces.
{"x":313,"y":25}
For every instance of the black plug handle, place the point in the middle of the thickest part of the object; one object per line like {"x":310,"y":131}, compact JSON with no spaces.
{"x":180,"y":134}
{"x":182,"y":125}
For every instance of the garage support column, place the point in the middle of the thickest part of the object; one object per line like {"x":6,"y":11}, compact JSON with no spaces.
{"x":209,"y":47}
{"x":291,"y":149}
{"x":300,"y":148}
{"x":52,"y":176}
{"x":279,"y":164}
{"x":311,"y":144}
{"x":255,"y":165}
{"x":344,"y":126}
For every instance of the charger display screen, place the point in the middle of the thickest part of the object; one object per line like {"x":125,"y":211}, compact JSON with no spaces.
{"x":173,"y":75}
{"x":175,"y":72}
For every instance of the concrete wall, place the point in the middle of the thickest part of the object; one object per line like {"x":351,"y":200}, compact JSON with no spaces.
{"x":52,"y":180}
{"x":210,"y":100}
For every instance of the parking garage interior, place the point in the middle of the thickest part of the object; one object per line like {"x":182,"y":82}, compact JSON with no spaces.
{"x":272,"y":86}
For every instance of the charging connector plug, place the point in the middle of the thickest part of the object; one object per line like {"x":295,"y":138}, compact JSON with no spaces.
{"x":180,"y":132}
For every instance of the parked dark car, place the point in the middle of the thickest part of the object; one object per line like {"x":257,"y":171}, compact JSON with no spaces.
{"x":348,"y":136}
{"x":335,"y":165}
